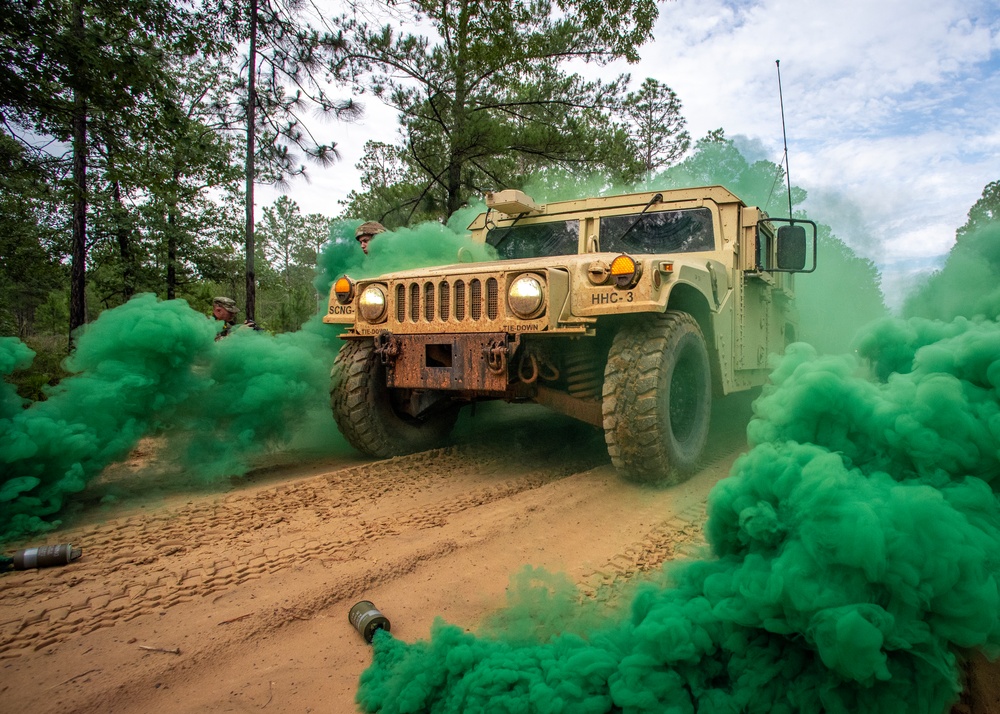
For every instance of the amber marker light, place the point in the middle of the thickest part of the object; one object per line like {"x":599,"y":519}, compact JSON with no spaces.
{"x":344,"y":290}
{"x":625,"y":271}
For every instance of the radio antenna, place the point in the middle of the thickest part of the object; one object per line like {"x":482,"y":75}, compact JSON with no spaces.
{"x":784,"y":134}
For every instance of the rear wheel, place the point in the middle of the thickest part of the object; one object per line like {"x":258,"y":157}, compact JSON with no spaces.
{"x":657,"y":398}
{"x":369,"y":414}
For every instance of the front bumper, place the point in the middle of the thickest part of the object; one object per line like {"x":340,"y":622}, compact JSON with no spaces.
{"x":476,"y":362}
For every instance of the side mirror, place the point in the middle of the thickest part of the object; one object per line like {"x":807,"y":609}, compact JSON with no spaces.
{"x":793,"y":245}
{"x":791,"y":248}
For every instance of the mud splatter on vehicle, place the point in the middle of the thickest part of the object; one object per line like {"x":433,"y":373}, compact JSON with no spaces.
{"x":628,"y":312}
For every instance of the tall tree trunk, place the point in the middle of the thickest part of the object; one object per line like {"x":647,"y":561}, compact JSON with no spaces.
{"x":458,"y":137}
{"x":454,"y":186}
{"x":251,"y":136}
{"x":288,"y":263}
{"x":78,"y":272}
{"x":172,"y":241}
{"x":171,"y":252}
{"x":124,"y":236}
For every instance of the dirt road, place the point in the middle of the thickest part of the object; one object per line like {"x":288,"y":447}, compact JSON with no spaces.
{"x":238,"y":602}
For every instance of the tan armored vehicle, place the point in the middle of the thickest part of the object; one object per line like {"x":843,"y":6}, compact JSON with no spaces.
{"x":627,"y":312}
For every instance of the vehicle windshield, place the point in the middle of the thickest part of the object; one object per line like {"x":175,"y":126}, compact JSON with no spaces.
{"x":684,"y":231}
{"x":535,"y":240}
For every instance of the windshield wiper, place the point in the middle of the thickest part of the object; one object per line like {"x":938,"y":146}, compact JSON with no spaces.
{"x":508,"y":230}
{"x":655,"y":199}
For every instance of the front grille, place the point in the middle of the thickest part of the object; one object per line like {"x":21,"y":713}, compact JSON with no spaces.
{"x":460,"y":300}
{"x":429,"y":302}
{"x":476,"y":298}
{"x":424,"y":302}
{"x":445,"y":302}
{"x":492,"y":299}
{"x":414,"y":302}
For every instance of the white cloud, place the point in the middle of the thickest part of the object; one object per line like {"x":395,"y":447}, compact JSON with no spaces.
{"x":891,"y":106}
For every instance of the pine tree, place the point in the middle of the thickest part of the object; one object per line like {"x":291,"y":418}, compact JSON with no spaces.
{"x":487,"y":98}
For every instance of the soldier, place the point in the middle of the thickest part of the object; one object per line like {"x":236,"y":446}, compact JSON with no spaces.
{"x":367,"y":231}
{"x":224,"y":308}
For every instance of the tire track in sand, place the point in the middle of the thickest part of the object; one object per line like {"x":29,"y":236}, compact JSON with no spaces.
{"x":674,"y":538}
{"x":139,"y":564}
{"x":678,"y":536}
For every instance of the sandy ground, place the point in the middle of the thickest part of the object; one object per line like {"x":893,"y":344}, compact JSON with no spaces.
{"x":238,"y":602}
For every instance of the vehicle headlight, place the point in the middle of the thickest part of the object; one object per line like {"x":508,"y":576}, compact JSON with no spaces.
{"x":526,"y":296}
{"x":371,"y":304}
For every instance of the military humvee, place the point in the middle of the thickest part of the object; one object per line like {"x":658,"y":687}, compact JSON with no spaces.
{"x":628,"y":312}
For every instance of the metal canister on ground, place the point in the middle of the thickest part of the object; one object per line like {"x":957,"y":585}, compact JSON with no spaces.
{"x":45,"y":556}
{"x":367,"y":620}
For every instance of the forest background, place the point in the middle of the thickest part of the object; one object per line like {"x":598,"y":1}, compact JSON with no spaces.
{"x":134,"y":132}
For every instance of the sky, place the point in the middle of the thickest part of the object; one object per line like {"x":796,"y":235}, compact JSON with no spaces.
{"x":892,"y":110}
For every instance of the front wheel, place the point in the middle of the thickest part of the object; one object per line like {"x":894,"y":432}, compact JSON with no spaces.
{"x":657,"y":398}
{"x":366,"y":409}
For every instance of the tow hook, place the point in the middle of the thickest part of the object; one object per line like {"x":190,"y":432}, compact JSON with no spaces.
{"x":386,"y":347}
{"x":496,"y":355}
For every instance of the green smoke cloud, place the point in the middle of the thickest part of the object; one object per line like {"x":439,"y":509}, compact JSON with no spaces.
{"x":853,"y":549}
{"x":153,"y":367}
{"x":257,"y":393}
{"x":402,"y":249}
{"x":133,"y":368}
{"x":14,"y":355}
{"x":967,"y":285}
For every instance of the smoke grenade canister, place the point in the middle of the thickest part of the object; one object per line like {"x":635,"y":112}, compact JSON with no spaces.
{"x":45,"y":556}
{"x":366,"y":619}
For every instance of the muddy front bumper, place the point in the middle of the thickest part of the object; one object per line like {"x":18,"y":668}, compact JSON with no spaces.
{"x":476,"y":362}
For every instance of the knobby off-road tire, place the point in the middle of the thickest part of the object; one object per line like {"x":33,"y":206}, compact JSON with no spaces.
{"x":657,"y":398}
{"x":363,"y":408}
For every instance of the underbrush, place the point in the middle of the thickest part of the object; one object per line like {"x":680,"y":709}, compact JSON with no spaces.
{"x":45,"y":370}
